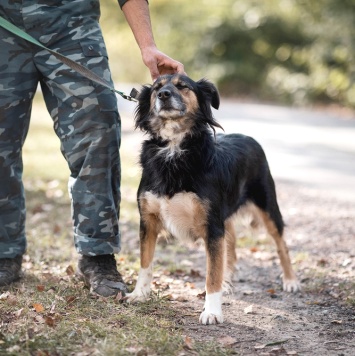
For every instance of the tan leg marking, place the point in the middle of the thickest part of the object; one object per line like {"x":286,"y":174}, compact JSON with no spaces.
{"x":230,"y":252}
{"x":150,"y":227}
{"x":290,"y":282}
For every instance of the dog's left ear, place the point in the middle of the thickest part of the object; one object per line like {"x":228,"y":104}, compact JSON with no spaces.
{"x":210,"y":92}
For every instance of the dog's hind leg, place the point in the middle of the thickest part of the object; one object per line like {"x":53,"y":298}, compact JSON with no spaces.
{"x":290,"y":282}
{"x":215,"y":250}
{"x":263,"y":195}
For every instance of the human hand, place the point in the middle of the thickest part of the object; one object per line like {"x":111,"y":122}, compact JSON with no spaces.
{"x":159,"y":63}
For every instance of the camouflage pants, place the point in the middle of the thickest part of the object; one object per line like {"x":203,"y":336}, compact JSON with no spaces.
{"x":85,"y":118}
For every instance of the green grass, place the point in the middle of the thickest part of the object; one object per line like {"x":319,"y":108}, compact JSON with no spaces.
{"x":49,"y":311}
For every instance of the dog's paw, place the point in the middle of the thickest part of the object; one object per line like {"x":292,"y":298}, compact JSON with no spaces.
{"x":207,"y":318}
{"x":136,"y":297}
{"x":291,"y":285}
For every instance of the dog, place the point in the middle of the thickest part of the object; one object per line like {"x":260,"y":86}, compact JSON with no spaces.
{"x":195,"y":182}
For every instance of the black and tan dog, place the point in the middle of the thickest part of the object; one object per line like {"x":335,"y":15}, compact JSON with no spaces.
{"x":194,"y":183}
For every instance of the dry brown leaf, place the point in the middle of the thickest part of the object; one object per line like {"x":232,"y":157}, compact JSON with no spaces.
{"x":337,"y":322}
{"x":201,"y":295}
{"x":227,"y":340}
{"x":194,"y":273}
{"x":57,"y":229}
{"x":190,"y":285}
{"x":189,"y":343}
{"x":40,"y":288}
{"x":70,"y":299}
{"x":39,"y":308}
{"x":254,"y":249}
{"x":181,"y":299}
{"x":49,"y":321}
{"x":271,"y":291}
{"x":70,"y":270}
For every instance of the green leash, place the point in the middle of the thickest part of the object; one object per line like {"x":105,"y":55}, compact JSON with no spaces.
{"x":70,"y":63}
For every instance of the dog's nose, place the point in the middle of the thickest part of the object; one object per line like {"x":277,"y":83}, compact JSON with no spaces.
{"x":164,"y":94}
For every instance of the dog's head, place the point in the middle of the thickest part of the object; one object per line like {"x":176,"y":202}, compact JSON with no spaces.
{"x":175,"y":105}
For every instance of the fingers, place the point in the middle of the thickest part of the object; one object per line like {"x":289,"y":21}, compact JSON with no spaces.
{"x":160,"y":64}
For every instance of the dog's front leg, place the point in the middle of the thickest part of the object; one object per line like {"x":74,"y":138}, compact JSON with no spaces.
{"x":148,"y":238}
{"x":212,"y":313}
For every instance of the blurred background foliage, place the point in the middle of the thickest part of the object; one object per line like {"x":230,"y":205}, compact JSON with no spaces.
{"x":286,"y":51}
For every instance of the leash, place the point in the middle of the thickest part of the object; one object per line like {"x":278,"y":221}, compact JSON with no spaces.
{"x":69,"y":62}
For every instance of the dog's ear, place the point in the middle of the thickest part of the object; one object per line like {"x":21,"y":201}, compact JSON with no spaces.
{"x":143,"y":108}
{"x":210,"y":92}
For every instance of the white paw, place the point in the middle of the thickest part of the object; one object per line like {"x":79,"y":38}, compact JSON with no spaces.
{"x":207,"y":318}
{"x":291,"y":285}
{"x":136,"y":296}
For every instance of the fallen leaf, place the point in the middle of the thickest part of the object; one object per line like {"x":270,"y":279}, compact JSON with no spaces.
{"x":70,"y":299}
{"x":181,"y":299}
{"x":168,"y":297}
{"x":39,"y":319}
{"x":49,"y":321}
{"x":194,"y":273}
{"x":249,"y":310}
{"x":70,"y":270}
{"x":190,"y":285}
{"x":189,"y":343}
{"x":259,"y":347}
{"x":52,"y":308}
{"x":271,"y":291}
{"x":227,"y":340}
{"x":40,"y":288}
{"x":254,"y":249}
{"x":57,"y":229}
{"x":291,"y":353}
{"x":201,"y":295}
{"x":248,"y":292}
{"x":38,"y":307}
{"x":4,"y":296}
{"x":18,"y":313}
{"x":322,"y":262}
{"x":337,"y":322}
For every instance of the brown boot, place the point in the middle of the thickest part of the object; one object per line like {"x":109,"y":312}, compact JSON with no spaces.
{"x":101,"y":275}
{"x":10,"y":269}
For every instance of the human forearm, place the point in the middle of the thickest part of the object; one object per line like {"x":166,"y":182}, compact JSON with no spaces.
{"x":138,"y":18}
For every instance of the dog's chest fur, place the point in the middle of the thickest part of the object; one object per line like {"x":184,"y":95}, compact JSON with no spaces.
{"x":184,"y":215}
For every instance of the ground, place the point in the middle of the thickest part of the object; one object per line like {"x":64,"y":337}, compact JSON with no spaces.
{"x":50,"y":312}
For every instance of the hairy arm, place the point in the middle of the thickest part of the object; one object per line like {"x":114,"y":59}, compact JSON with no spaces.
{"x":138,"y":18}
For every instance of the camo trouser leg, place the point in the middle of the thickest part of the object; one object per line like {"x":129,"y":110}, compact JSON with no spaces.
{"x":86,"y":121}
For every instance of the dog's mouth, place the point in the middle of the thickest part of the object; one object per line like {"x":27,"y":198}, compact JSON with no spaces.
{"x":170,"y":109}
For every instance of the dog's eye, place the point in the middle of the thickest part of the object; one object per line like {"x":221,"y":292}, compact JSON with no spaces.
{"x":158,"y":86}
{"x":181,"y":86}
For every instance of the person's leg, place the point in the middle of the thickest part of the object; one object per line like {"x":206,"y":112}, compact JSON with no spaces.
{"x":87,"y":122}
{"x":18,"y":83}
